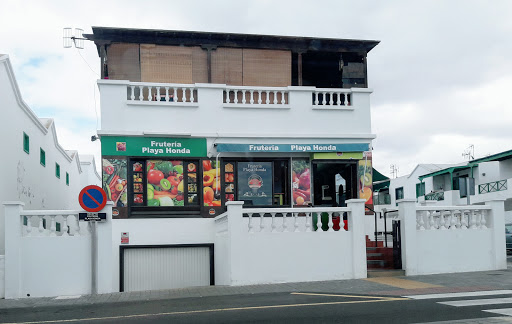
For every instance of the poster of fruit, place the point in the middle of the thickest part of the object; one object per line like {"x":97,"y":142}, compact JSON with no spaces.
{"x":211,"y":183}
{"x":165,"y":183}
{"x":301,"y":182}
{"x":114,"y":177}
{"x":364,"y":173}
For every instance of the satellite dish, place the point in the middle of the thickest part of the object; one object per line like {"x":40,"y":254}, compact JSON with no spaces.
{"x":69,"y":39}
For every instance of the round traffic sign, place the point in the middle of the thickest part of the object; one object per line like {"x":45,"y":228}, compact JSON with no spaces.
{"x":92,"y":198}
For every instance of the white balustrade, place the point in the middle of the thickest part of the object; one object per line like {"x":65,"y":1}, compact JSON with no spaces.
{"x":259,"y":97}
{"x":39,"y":224}
{"x":278,"y":220}
{"x":452,"y":217}
{"x":333,"y":98}
{"x":153,"y":93}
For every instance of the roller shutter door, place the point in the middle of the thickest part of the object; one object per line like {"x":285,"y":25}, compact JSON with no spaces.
{"x":155,"y":268}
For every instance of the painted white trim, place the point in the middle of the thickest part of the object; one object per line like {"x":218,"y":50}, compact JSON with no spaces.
{"x":478,"y":302}
{"x":462,"y":294}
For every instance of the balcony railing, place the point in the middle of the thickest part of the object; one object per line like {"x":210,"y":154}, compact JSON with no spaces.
{"x":435,"y":196}
{"x":263,"y":97}
{"x":492,"y":186}
{"x":336,"y":98}
{"x":162,"y":93}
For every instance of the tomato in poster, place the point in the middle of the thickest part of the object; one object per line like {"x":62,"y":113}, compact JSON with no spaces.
{"x":154,"y":176}
{"x":207,"y":165}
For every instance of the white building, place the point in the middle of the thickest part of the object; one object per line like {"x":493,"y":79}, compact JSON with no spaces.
{"x":36,"y":170}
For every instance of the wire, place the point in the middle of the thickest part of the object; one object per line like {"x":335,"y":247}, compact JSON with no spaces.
{"x":87,"y":63}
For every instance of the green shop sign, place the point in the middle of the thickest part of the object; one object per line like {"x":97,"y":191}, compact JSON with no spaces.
{"x":152,"y":146}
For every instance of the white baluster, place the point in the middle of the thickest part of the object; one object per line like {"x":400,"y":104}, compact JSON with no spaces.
{"x":251,"y":98}
{"x":308,"y":222}
{"x":453,"y":221}
{"x":442,"y":222}
{"x":175,"y":94}
{"x":236,"y":92}
{"x":157,"y":94}
{"x":64,"y":226}
{"x":30,"y":229}
{"x":330,"y":223}
{"x":331,"y":98}
{"x":273,"y":225}
{"x":345,"y":102}
{"x":41,"y":227}
{"x":227,"y":96}
{"x":483,"y":223}
{"x":473,"y":220}
{"x":262,"y":222}
{"x":324,"y":94}
{"x":183,"y":94}
{"x":478,"y":217}
{"x":285,"y":224}
{"x":463,"y":223}
{"x":141,"y":93}
{"x":296,"y":223}
{"x":275,"y":97}
{"x":283,"y":99}
{"x":53,"y":226}
{"x":339,"y":98}
{"x":132,"y":97}
{"x":316,"y":98}
{"x":251,"y":226}
{"x":244,"y":101}
{"x":319,"y":222}
{"x":432,"y":221}
{"x":149,"y":94}
{"x":192,"y":95}
{"x":259,"y":97}
{"x":267,"y":99}
{"x":422,"y":222}
{"x":167,"y":94}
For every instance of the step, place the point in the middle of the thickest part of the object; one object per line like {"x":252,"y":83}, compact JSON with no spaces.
{"x":385,"y":273}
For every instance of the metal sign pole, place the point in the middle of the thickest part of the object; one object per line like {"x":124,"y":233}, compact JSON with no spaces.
{"x":94,"y":257}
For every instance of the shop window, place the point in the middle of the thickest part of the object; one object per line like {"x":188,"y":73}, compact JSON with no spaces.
{"x":57,"y":170}
{"x":420,"y":189}
{"x":26,"y":143}
{"x":42,"y":157}
{"x":67,"y":179}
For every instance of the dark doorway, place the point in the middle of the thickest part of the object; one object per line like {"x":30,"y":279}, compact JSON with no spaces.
{"x":334,"y":183}
{"x":321,"y":70}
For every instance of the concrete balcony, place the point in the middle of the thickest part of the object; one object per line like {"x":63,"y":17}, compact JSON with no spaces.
{"x":218,"y":108}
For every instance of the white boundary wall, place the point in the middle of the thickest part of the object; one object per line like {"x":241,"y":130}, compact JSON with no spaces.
{"x":287,"y":249}
{"x":447,"y":239}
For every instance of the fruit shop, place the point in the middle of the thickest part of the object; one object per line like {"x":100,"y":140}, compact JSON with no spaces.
{"x":174,"y":177}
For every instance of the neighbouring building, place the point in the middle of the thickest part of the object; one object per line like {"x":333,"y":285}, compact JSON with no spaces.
{"x":193,"y":120}
{"x":36,"y":170}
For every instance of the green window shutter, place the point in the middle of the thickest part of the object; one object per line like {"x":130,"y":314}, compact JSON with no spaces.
{"x":67,"y":178}
{"x":57,"y":170}
{"x":418,"y":190}
{"x":42,"y":157}
{"x":26,"y":143}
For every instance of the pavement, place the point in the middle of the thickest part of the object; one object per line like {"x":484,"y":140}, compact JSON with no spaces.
{"x":382,"y":286}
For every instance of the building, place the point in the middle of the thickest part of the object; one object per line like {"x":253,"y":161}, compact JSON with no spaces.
{"x":193,"y":120}
{"x":36,"y":169}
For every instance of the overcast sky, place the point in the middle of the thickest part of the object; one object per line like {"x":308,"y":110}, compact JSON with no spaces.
{"x":440,"y":75}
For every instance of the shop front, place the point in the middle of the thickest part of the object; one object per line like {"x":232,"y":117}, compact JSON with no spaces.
{"x":162,"y":177}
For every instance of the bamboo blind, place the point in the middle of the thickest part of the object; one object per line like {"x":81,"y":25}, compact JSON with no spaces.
{"x":271,"y":68}
{"x":227,"y":66}
{"x":123,"y":62}
{"x":168,"y":64}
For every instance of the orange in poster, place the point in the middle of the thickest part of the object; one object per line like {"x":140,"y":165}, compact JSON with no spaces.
{"x":366,"y":194}
{"x":208,"y":194}
{"x":207,"y":180}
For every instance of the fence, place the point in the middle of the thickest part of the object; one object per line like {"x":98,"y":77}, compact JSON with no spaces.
{"x":445,"y":239}
{"x":286,"y":245}
{"x":43,"y":259}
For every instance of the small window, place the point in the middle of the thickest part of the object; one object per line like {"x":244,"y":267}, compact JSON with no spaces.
{"x":67,"y":178}
{"x":57,"y":170}
{"x":399,"y":193}
{"x":42,"y":157}
{"x":26,"y":143}
{"x":420,"y":189}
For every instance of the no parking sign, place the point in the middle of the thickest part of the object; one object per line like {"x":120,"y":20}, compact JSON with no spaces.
{"x":92,"y":198}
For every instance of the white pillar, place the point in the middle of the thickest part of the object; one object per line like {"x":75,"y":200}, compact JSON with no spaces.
{"x":105,"y":262}
{"x":497,"y":224}
{"x":356,"y":227}
{"x":13,"y":266}
{"x":407,"y":216}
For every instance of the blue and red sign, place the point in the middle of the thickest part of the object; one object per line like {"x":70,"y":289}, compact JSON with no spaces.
{"x":92,"y":198}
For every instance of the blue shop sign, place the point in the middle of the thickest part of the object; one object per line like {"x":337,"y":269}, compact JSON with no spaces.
{"x":260,"y":148}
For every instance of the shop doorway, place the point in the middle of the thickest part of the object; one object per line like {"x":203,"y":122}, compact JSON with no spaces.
{"x":334,"y":183}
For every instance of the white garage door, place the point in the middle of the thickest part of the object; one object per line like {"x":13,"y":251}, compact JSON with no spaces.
{"x":157,"y":268}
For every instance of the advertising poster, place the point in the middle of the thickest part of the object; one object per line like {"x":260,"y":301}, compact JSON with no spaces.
{"x":365,"y":180}
{"x":165,"y":183}
{"x":301,"y":182}
{"x":114,"y":182}
{"x":211,"y":184}
{"x":255,"y":183}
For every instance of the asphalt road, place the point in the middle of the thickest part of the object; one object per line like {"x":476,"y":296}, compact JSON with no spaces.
{"x":307,"y":307}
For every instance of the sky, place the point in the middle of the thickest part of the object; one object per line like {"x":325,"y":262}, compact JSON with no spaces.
{"x":440,"y":76}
